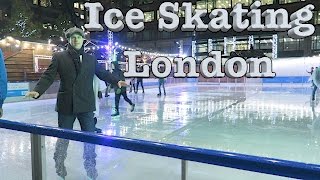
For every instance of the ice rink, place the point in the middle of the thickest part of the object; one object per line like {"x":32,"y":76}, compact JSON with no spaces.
{"x":277,"y":122}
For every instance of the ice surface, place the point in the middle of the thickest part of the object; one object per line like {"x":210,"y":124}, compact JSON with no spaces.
{"x":275,"y":122}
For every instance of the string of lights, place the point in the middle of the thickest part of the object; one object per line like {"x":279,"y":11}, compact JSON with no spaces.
{"x":10,"y":41}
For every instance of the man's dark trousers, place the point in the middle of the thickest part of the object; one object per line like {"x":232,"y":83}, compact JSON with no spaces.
{"x":87,"y":124}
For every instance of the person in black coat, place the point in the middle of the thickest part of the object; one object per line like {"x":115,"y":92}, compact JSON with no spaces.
{"x":75,"y":97}
{"x":117,"y":72}
{"x":139,"y":81}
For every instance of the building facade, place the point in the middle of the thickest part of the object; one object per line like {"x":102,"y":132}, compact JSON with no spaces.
{"x":151,"y":39}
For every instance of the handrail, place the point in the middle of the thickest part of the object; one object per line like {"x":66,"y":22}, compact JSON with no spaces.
{"x":227,"y":159}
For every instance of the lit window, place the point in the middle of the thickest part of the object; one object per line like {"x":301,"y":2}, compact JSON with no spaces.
{"x":81,"y":6}
{"x":76,"y":5}
{"x":181,"y":12}
{"x":201,"y":5}
{"x":210,"y":6}
{"x":202,"y":47}
{"x":45,"y":3}
{"x":317,"y":17}
{"x":315,"y":42}
{"x":148,"y":16}
{"x":243,"y":2}
{"x":288,"y":1}
{"x":82,"y":16}
{"x":47,"y":26}
{"x":223,"y":3}
{"x":266,"y":2}
{"x":35,"y":2}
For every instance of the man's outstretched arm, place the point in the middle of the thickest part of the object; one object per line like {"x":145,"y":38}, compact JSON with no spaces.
{"x":46,"y":80}
{"x":105,"y":75}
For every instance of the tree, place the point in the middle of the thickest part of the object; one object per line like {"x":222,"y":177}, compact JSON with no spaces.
{"x":58,"y":27}
{"x":63,"y":22}
{"x":20,"y":23}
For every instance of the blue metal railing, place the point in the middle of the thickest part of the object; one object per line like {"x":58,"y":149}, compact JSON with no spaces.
{"x":232,"y":160}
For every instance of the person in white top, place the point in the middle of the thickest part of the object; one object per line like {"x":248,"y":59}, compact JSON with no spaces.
{"x":98,"y":86}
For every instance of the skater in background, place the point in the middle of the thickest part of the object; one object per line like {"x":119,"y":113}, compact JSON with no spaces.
{"x":117,"y":72}
{"x":314,"y":75}
{"x":75,"y":99}
{"x":161,"y":83}
{"x":98,"y":87}
{"x":107,"y":89}
{"x":132,"y":85}
{"x":311,"y":72}
{"x":139,"y":81}
{"x":3,"y":82}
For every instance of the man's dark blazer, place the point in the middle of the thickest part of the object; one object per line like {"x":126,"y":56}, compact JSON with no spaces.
{"x":76,"y":89}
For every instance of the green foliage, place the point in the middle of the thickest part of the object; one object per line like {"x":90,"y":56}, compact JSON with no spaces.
{"x":23,"y":24}
{"x":59,"y":26}
{"x":20,"y":23}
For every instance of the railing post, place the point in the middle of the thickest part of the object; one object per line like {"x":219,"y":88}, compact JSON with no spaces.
{"x":38,"y":158}
{"x":184,"y":166}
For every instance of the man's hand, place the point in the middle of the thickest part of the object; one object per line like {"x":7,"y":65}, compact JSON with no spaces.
{"x":122,"y":84}
{"x":32,"y":94}
{"x":1,"y":112}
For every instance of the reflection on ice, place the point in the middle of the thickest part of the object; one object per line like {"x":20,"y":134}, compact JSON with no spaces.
{"x":247,"y":120}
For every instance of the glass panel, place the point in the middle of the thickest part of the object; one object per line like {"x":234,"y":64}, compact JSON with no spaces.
{"x":15,"y":155}
{"x":112,"y":163}
{"x":242,"y":45}
{"x":130,"y":35}
{"x":202,"y":47}
{"x":289,"y":44}
{"x":204,"y":171}
{"x":218,"y":46}
{"x":199,"y":58}
{"x":147,"y":35}
{"x":266,"y":44}
{"x":315,"y":42}
{"x":165,"y":34}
